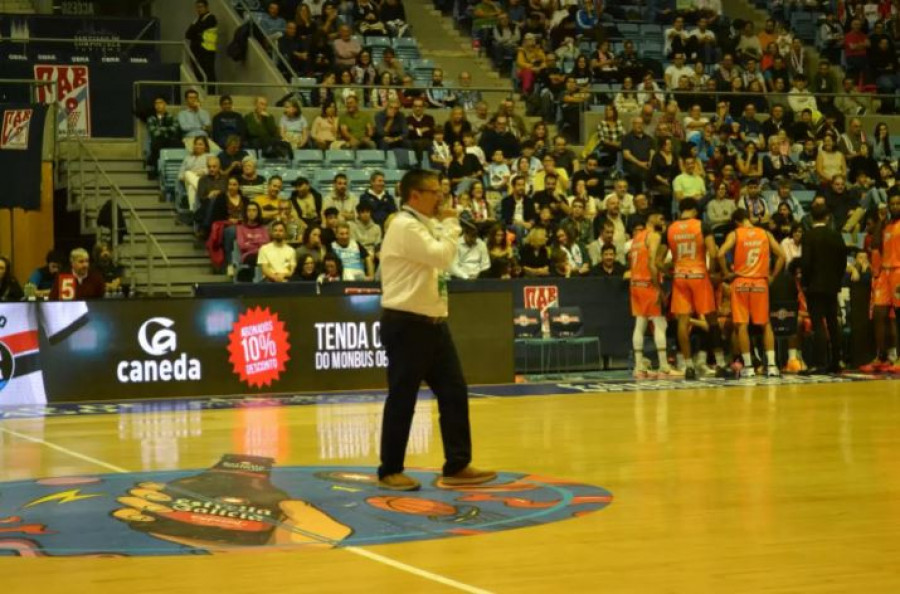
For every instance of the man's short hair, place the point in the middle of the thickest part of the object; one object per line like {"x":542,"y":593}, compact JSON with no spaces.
{"x":203,"y":2}
{"x":273,"y":178}
{"x":819,"y":212}
{"x":276,"y":224}
{"x":375,"y":174}
{"x":331,"y":211}
{"x":551,"y":175}
{"x":225,"y":98}
{"x":414,"y":180}
{"x":363,"y":207}
{"x":580,"y":201}
{"x":687,"y":204}
{"x":300,"y":181}
{"x":55,"y":257}
{"x":340,"y":176}
{"x":190,"y":92}
{"x":608,"y":247}
{"x":78,"y":253}
{"x":739,"y":216}
{"x":342,"y":225}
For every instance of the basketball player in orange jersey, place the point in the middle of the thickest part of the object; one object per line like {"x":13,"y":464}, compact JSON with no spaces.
{"x":882,"y":297}
{"x":690,"y":241}
{"x":646,"y":294}
{"x":753,"y":249}
{"x":889,"y":242}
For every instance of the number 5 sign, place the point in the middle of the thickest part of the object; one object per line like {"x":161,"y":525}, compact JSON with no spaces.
{"x":67,"y":287}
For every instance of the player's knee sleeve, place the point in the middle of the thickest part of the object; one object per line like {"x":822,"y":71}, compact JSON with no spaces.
{"x":637,"y":339}
{"x":659,"y":332}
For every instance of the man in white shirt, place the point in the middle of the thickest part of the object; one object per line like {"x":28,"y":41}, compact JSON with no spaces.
{"x":277,"y":259}
{"x":472,"y":256}
{"x":706,"y":42}
{"x":676,"y":71}
{"x":800,"y":98}
{"x":676,"y":38}
{"x":342,"y":199}
{"x":415,"y":255}
{"x":626,"y":200}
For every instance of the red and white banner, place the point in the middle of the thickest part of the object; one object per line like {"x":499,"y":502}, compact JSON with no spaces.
{"x":16,"y":129}
{"x":73,"y":96}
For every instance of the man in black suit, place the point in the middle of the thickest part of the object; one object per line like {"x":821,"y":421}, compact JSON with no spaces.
{"x":823,"y":264}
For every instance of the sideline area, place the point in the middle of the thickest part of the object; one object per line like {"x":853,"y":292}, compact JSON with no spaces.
{"x":584,"y":383}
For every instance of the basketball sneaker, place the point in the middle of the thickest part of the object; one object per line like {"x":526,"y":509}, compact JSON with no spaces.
{"x":772,"y":371}
{"x":704,"y":370}
{"x":666,"y":371}
{"x":639,"y":373}
{"x":876,"y":366}
{"x":793,"y":366}
{"x":690,"y":373}
{"x":747,"y":372}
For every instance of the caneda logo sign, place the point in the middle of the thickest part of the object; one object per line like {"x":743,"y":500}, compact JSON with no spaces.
{"x":157,"y":338}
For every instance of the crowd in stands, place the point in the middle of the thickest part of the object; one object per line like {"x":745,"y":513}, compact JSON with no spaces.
{"x":694,"y":105}
{"x":81,"y":275}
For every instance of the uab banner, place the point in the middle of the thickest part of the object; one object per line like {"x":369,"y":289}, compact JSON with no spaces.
{"x":21,"y":147}
{"x":72,"y":94}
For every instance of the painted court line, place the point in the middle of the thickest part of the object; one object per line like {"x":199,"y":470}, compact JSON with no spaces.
{"x":399,"y":565}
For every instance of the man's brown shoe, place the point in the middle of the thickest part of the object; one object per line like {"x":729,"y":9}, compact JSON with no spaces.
{"x":399,"y":482}
{"x":468,"y":476}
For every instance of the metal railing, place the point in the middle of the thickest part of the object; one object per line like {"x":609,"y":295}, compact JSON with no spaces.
{"x":91,"y":178}
{"x":282,"y":63}
{"x":294,"y":88}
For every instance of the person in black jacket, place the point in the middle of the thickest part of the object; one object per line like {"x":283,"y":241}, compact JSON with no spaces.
{"x":203,"y":35}
{"x":823,"y":263}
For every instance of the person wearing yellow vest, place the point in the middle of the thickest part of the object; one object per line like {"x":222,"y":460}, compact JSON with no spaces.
{"x":203,"y":36}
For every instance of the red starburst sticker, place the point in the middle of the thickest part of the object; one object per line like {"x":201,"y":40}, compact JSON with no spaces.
{"x":259,"y":347}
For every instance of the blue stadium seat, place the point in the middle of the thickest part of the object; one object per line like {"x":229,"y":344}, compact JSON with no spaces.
{"x":305,"y":85}
{"x":628,"y":29}
{"x":406,"y":48}
{"x":340,"y":158}
{"x":805,"y":197}
{"x":323,"y":180}
{"x":373,"y":42}
{"x":651,"y":48}
{"x":305,"y":158}
{"x":358,"y":180}
{"x":650,"y":31}
{"x":168,"y":166}
{"x":392,"y":177}
{"x":401,"y":159}
{"x":370,"y":158}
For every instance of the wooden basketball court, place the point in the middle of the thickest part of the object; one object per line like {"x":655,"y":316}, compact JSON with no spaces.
{"x":773,"y":488}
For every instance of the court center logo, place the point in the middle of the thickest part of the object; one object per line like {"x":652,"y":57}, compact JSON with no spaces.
{"x":246,"y":503}
{"x":157,"y":338}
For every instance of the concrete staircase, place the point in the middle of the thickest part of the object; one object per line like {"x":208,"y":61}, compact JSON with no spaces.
{"x":452,"y":51}
{"x":188,"y":261}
